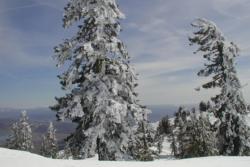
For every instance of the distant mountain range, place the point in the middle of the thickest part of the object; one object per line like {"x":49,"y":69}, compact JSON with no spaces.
{"x":45,"y":114}
{"x":40,"y":118}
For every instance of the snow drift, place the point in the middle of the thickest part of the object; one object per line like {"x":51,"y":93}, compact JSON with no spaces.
{"x":13,"y":158}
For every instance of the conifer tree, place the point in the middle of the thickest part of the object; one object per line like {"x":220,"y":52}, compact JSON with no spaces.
{"x":100,"y":81}
{"x":159,"y":143}
{"x":193,"y":135}
{"x":178,"y":132}
{"x":21,"y":138}
{"x":199,"y":140}
{"x":67,"y":151}
{"x":181,"y":135}
{"x":203,"y":107}
{"x":163,"y":130}
{"x":229,"y":105}
{"x":173,"y":143}
{"x":164,"y":126}
{"x":144,"y":140}
{"x":49,"y":142}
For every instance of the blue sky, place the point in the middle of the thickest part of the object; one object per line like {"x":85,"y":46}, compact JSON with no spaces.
{"x":155,"y":32}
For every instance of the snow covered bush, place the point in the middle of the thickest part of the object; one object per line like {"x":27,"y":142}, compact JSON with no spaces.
{"x":100,"y":82}
{"x":49,"y":143}
{"x":21,"y":138}
{"x":229,"y":105}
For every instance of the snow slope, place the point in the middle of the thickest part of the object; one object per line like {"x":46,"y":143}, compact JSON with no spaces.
{"x":12,"y":158}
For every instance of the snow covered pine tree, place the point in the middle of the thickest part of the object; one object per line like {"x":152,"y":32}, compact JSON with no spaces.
{"x":21,"y":139}
{"x":67,"y":153}
{"x":49,"y":143}
{"x":102,"y":98}
{"x":200,"y":140}
{"x":164,"y":127}
{"x":163,"y":130}
{"x":180,"y":137}
{"x":229,"y":106}
{"x":144,"y":140}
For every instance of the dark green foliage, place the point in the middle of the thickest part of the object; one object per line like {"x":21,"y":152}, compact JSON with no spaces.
{"x":202,"y":141}
{"x":193,"y":135}
{"x":204,"y":106}
{"x":163,"y":130}
{"x":164,"y":126}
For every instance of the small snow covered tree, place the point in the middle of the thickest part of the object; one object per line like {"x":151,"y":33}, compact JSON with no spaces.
{"x":159,"y":142}
{"x":21,"y":139}
{"x":101,"y":82}
{"x":193,"y":135}
{"x":164,"y":129}
{"x":49,"y":143}
{"x":181,"y":133}
{"x":67,"y":151}
{"x":164,"y":126}
{"x":229,"y":106}
{"x":12,"y":141}
{"x":178,"y":132}
{"x":181,"y":115}
{"x":205,"y":135}
{"x":144,"y":138}
{"x":200,"y":139}
{"x":173,"y":143}
{"x":203,"y":107}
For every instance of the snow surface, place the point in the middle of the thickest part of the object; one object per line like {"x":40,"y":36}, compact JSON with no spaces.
{"x":13,"y":158}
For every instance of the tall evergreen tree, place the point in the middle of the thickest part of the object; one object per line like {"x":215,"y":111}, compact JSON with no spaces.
{"x":102,"y":98}
{"x":21,"y":138}
{"x":49,"y":143}
{"x":229,"y":105}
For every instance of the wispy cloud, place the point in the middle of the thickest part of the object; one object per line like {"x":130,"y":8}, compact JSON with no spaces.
{"x":21,"y":48}
{"x":159,"y":45}
{"x":19,"y":7}
{"x":15,"y":50}
{"x":155,"y":32}
{"x":55,"y":4}
{"x":234,"y":9}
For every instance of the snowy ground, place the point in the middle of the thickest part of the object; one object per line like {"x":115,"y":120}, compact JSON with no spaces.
{"x":12,"y":158}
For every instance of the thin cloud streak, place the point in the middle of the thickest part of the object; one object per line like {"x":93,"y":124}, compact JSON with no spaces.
{"x":19,"y":7}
